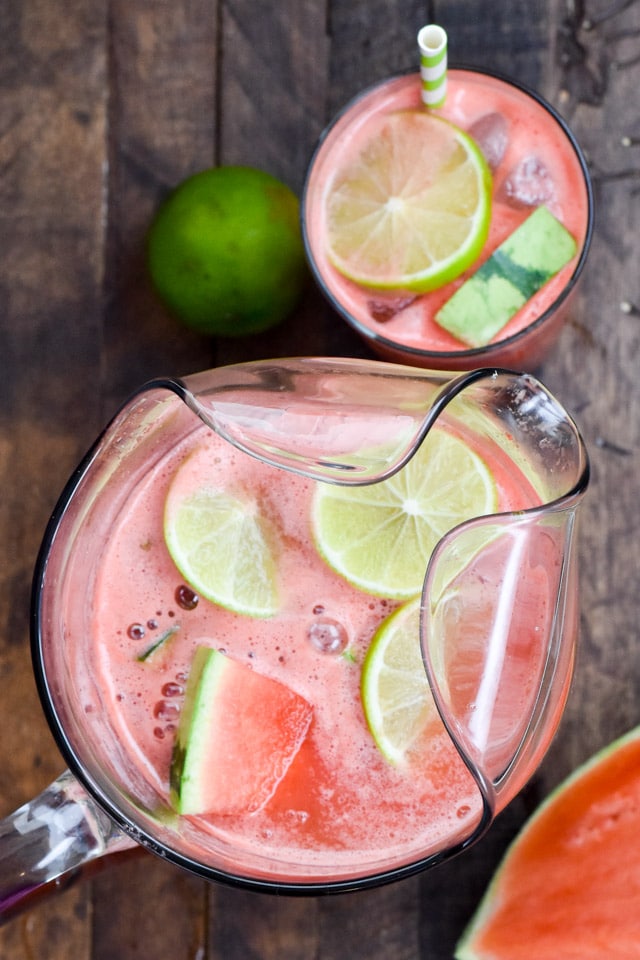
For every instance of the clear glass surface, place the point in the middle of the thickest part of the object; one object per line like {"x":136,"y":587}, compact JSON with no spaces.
{"x":343,"y":422}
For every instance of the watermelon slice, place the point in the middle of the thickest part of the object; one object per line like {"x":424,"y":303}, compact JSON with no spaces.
{"x":521,"y":265}
{"x":238,"y":734}
{"x":568,"y":887}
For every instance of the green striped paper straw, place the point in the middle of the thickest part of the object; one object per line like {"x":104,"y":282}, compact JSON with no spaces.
{"x":432,"y":41}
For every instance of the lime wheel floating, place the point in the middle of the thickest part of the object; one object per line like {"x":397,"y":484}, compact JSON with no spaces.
{"x":220,"y":543}
{"x":395,"y":691}
{"x":380,"y":537}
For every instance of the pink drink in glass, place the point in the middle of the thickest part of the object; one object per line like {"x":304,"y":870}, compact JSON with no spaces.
{"x":117,"y":627}
{"x":535,"y":161}
{"x":341,"y":802}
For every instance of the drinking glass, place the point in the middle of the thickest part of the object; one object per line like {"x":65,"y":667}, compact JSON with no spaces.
{"x":399,"y":325}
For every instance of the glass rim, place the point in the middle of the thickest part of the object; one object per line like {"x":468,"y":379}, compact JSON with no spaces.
{"x":480,"y":354}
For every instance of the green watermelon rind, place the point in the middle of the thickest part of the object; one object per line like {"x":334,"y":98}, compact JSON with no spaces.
{"x":207,"y":672}
{"x":464,"y":948}
{"x":239,"y":731}
{"x":534,"y":253}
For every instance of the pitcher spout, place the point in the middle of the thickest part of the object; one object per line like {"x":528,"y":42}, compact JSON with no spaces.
{"x":354,"y":421}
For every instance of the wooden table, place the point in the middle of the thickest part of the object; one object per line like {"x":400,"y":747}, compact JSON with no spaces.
{"x":105,"y":106}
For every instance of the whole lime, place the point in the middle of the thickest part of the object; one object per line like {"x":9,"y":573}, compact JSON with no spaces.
{"x":225,"y":251}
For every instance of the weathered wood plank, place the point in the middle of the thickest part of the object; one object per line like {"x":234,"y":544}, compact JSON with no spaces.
{"x":162,"y":128}
{"x":244,"y":924}
{"x":511,"y":38}
{"x":144,"y":907}
{"x":273,"y":96}
{"x":450,"y":893}
{"x":51,"y":243}
{"x":371,"y":41}
{"x":273,"y":109}
{"x":378,"y":924}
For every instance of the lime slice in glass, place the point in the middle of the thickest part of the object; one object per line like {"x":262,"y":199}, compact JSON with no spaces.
{"x":380,"y":537}
{"x":221,"y":545}
{"x":411,"y":211}
{"x":395,"y":691}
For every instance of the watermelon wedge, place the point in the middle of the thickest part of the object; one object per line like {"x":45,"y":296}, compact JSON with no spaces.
{"x":568,"y":887}
{"x":238,"y":734}
{"x":521,"y":265}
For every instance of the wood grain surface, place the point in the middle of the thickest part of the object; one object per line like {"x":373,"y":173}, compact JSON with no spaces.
{"x":104,"y":106}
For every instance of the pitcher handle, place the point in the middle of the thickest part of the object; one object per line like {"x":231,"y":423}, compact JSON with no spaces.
{"x":47,"y":842}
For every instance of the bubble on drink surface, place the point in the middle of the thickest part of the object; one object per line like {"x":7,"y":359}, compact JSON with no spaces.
{"x":327,"y":636}
{"x":529,"y":184}
{"x":491,"y":133}
{"x":165,"y":710}
{"x":186,"y":597}
{"x":299,"y":816}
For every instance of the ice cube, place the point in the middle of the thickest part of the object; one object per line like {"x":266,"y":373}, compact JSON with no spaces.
{"x":384,"y":310}
{"x":491,"y":133}
{"x":529,"y":184}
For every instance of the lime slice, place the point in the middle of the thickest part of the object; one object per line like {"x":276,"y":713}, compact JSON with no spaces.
{"x":380,"y":537}
{"x":396,"y":695}
{"x":220,"y":545}
{"x":412,"y":210}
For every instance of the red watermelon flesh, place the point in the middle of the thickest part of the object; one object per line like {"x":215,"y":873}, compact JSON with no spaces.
{"x":568,"y":887}
{"x":239,"y":733}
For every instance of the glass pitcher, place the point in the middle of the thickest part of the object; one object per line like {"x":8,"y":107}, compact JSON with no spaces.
{"x":495,"y":622}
